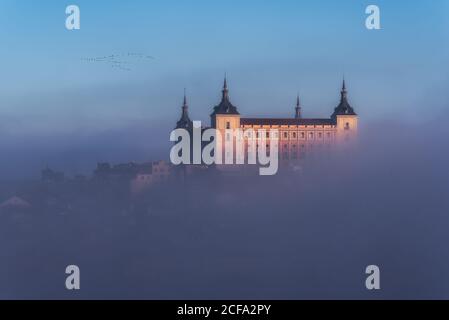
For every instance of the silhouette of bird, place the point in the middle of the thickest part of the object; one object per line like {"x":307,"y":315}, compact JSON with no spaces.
{"x":119,"y":61}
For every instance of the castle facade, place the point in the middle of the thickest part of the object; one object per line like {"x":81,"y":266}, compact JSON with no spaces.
{"x":297,"y":137}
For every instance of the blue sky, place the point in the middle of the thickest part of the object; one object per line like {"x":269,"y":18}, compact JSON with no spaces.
{"x":269,"y":49}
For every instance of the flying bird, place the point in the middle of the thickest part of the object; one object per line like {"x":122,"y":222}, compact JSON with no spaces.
{"x":121,"y":61}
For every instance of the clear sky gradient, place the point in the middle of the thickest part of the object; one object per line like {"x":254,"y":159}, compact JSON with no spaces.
{"x":271,"y":50}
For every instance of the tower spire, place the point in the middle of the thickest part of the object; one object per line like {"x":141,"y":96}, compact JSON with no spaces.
{"x":185,"y":121}
{"x":343,"y":108}
{"x":225,"y":88}
{"x":225,"y":106}
{"x":298,"y":108}
{"x":344,"y":93}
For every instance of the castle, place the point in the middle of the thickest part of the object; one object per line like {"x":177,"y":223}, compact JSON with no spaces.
{"x":297,"y":137}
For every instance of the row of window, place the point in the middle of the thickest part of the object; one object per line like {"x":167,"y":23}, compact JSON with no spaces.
{"x":309,"y":135}
{"x":283,"y":127}
{"x":293,"y":135}
{"x":294,"y":148}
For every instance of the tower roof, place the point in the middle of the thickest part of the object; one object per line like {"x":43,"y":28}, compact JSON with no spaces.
{"x":225,"y":106}
{"x":343,"y":108}
{"x":185,"y":121}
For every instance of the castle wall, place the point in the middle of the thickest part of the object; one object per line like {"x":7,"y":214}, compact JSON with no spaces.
{"x":296,"y":142}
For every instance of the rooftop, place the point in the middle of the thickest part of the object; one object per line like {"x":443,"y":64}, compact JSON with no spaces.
{"x":286,"y":121}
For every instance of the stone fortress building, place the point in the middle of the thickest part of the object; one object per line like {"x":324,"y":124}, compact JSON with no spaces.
{"x":298,"y":137}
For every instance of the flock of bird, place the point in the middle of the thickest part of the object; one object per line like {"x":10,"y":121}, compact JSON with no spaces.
{"x":121,"y":62}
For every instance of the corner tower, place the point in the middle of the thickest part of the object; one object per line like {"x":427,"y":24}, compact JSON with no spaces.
{"x":345,"y":117}
{"x":224,"y":118}
{"x":225,"y":115}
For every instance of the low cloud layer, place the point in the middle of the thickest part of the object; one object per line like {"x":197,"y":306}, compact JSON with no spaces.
{"x":308,"y":235}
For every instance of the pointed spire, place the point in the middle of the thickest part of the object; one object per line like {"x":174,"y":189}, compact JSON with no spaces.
{"x":185,"y":99}
{"x":343,"y":108}
{"x":185,"y":107}
{"x":298,"y":108}
{"x":225,"y":106}
{"x":225,"y":89}
{"x":185,"y":121}
{"x":344,"y":93}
